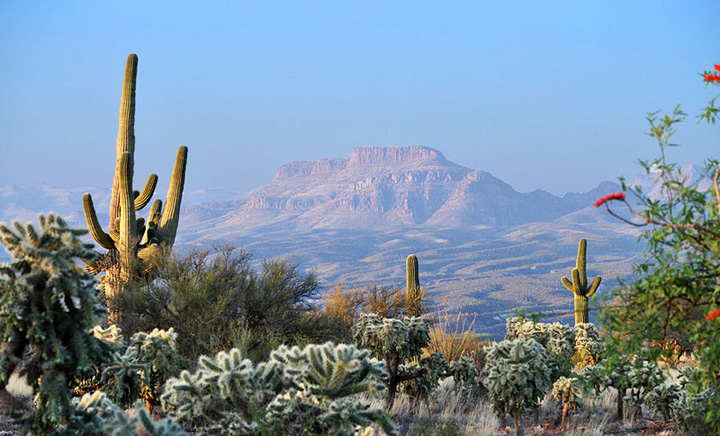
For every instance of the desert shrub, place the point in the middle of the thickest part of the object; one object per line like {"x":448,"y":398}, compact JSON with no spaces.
{"x":48,"y":308}
{"x":384,"y":301}
{"x":518,"y":377}
{"x":214,"y":301}
{"x":297,"y":391}
{"x":397,"y":342}
{"x":674,"y":296}
{"x":453,"y":336}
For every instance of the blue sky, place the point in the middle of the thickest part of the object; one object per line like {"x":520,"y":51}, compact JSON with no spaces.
{"x":543,"y":94}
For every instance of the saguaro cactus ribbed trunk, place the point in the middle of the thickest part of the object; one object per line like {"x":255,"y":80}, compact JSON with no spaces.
{"x":579,"y":285}
{"x":412,"y":293}
{"x":131,"y":242}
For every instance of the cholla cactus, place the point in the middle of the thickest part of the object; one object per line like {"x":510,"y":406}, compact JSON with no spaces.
{"x":111,"y":335}
{"x":633,"y":378}
{"x":395,"y":341}
{"x":518,"y":377}
{"x":690,"y":412}
{"x":142,"y":370}
{"x":299,"y":390}
{"x":48,"y":307}
{"x":588,"y":345}
{"x":421,"y":388}
{"x":464,"y":372}
{"x":662,"y":399}
{"x":100,"y":416}
{"x":565,"y":391}
{"x":522,"y":328}
{"x":557,"y":339}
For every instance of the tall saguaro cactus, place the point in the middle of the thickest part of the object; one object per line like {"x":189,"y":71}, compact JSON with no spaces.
{"x":579,"y":285}
{"x":131,"y":242}
{"x":412,"y":294}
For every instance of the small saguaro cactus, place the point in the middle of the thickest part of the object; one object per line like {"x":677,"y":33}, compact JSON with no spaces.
{"x":413,"y":297}
{"x":133,"y":242}
{"x":579,"y":285}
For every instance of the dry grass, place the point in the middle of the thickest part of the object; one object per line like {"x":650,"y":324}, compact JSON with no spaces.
{"x":455,"y":412}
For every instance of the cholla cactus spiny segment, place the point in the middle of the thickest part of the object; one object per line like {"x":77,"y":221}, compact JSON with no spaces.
{"x":48,"y":306}
{"x":104,"y":417}
{"x":297,"y":390}
{"x":662,"y":399}
{"x":464,"y":371}
{"x":331,"y":371}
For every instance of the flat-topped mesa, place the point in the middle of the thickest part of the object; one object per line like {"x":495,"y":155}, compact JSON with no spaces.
{"x":388,"y":155}
{"x":307,"y":168}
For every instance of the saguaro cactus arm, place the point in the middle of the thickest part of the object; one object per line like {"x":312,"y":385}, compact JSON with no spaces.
{"x":126,"y":133}
{"x":93,"y":224}
{"x":146,"y":195}
{"x":128,"y":224}
{"x":167,"y":228}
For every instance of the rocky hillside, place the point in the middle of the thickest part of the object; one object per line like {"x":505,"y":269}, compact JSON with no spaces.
{"x":390,"y":187}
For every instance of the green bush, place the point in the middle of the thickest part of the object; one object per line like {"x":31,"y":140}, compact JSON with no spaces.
{"x":217,"y":300}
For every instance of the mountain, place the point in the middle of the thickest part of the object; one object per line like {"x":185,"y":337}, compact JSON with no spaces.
{"x":390,"y":188}
{"x":486,"y":247}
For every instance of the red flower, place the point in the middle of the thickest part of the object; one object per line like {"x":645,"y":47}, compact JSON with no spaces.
{"x":712,"y":315}
{"x":614,"y":196}
{"x":712,"y":77}
{"x":445,"y":298}
{"x":717,"y":67}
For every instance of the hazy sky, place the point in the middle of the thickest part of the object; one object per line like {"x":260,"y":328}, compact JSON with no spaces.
{"x":543,"y":94}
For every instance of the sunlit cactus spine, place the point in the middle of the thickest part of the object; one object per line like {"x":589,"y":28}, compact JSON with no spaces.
{"x":579,"y":285}
{"x":133,"y":242}
{"x":413,"y":296}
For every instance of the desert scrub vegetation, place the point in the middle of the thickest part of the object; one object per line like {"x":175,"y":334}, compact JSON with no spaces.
{"x":217,"y":300}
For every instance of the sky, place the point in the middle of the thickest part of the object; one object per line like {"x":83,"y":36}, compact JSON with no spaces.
{"x":543,"y":94}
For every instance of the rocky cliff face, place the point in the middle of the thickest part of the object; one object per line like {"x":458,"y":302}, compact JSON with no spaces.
{"x":391,"y":187}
